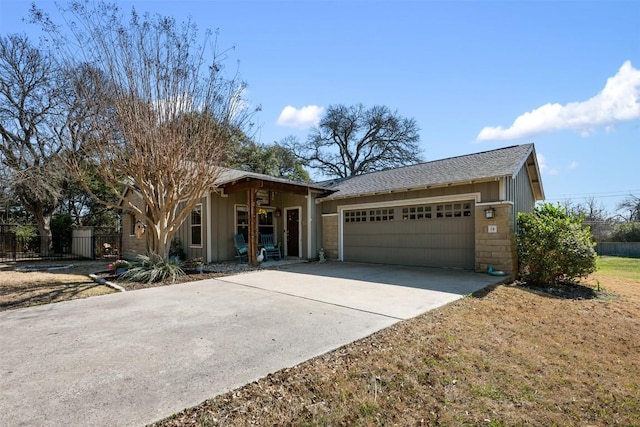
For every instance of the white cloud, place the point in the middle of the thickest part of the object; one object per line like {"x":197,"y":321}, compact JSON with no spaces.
{"x":302,"y":118}
{"x":573,"y":165}
{"x":542,"y":164}
{"x":619,"y":101}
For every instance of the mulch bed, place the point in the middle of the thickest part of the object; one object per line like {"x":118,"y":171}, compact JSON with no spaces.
{"x":567,"y":290}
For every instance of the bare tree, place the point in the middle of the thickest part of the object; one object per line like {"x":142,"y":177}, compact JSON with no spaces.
{"x":594,"y":215}
{"x":162,"y":111}
{"x":353,"y":140}
{"x":631,"y":208}
{"x":29,"y":111}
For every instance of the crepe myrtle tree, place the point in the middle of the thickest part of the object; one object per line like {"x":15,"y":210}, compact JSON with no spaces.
{"x":161,"y":110}
{"x":354,"y":140}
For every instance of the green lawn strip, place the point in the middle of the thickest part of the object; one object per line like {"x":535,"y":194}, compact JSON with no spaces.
{"x":624,"y":268}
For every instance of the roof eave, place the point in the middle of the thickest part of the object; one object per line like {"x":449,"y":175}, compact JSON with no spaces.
{"x":533,"y":169}
{"x":418,"y":188}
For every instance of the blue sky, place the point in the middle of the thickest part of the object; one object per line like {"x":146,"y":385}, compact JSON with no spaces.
{"x":475,"y":75}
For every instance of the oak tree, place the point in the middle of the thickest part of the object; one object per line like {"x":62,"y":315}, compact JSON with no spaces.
{"x":354,"y":140}
{"x":30,"y":115}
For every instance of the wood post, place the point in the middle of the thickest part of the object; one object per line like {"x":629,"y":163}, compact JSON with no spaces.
{"x":253,"y":227}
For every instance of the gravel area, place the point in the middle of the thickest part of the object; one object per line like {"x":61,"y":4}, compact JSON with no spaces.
{"x":211,"y":271}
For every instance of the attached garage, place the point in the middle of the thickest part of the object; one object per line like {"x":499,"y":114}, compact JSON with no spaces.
{"x":458,"y":212}
{"x":428,"y":234}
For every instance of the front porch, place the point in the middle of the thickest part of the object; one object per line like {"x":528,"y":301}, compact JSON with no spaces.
{"x":255,"y":205}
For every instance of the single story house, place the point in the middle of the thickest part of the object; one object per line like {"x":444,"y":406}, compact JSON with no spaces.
{"x":458,"y":213}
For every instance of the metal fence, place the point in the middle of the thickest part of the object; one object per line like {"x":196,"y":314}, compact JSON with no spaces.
{"x":93,"y":245}
{"x":624,"y":249}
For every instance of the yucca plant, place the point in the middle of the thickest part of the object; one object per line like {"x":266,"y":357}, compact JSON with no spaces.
{"x":152,"y":268}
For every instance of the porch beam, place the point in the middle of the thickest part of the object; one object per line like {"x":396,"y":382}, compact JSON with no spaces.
{"x":242,"y":185}
{"x":266,"y":185}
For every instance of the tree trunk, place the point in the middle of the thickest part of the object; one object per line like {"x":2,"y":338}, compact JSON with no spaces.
{"x":44,"y":230}
{"x":159,"y":239}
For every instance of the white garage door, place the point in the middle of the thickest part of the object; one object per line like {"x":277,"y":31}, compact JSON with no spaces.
{"x":431,"y":235}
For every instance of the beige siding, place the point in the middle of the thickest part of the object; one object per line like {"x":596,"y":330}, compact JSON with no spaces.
{"x":184,"y":234}
{"x":489,"y":191}
{"x":519,"y":191}
{"x":223,"y":220}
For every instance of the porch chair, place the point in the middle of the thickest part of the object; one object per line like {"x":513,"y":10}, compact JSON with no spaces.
{"x":242,"y":251}
{"x":269,"y":245}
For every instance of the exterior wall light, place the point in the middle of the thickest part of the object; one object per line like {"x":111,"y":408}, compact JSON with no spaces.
{"x":490,"y":213}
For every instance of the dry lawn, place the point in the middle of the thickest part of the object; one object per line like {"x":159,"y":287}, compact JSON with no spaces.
{"x":20,"y":289}
{"x":506,"y":357}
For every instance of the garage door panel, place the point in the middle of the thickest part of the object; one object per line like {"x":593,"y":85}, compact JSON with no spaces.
{"x":406,"y":236}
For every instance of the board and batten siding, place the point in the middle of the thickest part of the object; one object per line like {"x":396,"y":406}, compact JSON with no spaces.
{"x":223,"y":221}
{"x":184,"y":234}
{"x":518,"y":190}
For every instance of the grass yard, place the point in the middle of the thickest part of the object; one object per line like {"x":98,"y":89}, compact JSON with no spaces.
{"x":618,"y":267}
{"x":506,"y":357}
{"x":19,"y":289}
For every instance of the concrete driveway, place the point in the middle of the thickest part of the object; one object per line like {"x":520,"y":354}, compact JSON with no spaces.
{"x":136,"y":357}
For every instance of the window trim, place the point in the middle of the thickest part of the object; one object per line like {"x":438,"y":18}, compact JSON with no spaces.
{"x":245,"y":208}
{"x":192,"y":225}
{"x":132,"y":226}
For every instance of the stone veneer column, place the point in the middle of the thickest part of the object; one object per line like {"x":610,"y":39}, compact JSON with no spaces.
{"x":497,"y":249}
{"x":330,"y":235}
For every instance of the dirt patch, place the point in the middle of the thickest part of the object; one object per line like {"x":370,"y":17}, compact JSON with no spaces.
{"x":509,"y":357}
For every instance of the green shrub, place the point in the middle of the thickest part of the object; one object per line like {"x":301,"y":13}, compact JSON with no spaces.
{"x":626,"y":232}
{"x":152,"y":268}
{"x":553,"y":246}
{"x":26,"y":232}
{"x":27,"y":236}
{"x":176,"y":250}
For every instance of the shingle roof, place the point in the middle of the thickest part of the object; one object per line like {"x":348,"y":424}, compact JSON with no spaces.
{"x":483,"y":166}
{"x":231,"y":175}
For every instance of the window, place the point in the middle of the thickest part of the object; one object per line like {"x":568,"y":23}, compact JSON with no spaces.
{"x":381,"y":215}
{"x":455,"y":210}
{"x":132,"y":224}
{"x":242,"y":222}
{"x":355,"y":216}
{"x":266,"y":222}
{"x":196,"y":226}
{"x":419,"y":212}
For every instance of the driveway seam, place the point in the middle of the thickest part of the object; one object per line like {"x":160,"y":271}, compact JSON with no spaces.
{"x":313,"y":299}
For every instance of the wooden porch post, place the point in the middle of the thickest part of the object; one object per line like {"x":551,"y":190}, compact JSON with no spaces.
{"x":253,"y":227}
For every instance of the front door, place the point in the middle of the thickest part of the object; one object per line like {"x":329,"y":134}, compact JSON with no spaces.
{"x":293,"y":232}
